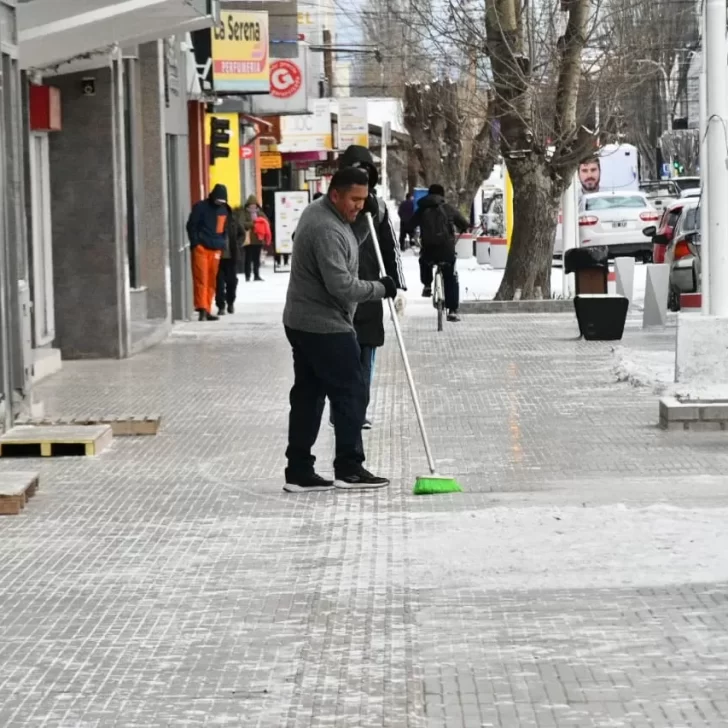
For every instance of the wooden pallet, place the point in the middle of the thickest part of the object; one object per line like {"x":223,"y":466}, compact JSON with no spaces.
{"x":15,"y":489}
{"x":122,"y":426}
{"x":55,"y":441}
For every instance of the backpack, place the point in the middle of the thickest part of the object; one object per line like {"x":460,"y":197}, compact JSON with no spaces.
{"x":436,"y":227}
{"x":261,"y":230}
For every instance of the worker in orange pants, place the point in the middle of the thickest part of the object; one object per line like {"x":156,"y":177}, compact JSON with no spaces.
{"x":208,"y":228}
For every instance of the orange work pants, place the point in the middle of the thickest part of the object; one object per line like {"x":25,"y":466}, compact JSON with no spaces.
{"x":205,"y":263}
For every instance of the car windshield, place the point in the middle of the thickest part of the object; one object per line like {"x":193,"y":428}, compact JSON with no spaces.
{"x":687,"y":183}
{"x":612,"y":202}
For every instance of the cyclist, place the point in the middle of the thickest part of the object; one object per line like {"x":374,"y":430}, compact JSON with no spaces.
{"x":437,"y":221}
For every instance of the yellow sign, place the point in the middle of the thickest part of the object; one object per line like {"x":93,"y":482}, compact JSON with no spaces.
{"x":271,"y":160}
{"x":240,"y":53}
{"x":226,"y":170}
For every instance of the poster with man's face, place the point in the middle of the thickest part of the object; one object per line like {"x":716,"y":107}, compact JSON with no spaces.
{"x":590,"y":175}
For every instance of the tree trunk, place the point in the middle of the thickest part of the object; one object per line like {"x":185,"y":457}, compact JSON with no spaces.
{"x":536,"y":207}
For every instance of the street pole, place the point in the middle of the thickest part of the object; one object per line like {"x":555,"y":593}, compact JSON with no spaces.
{"x":569,"y":231}
{"x":716,"y":109}
{"x":704,"y":163}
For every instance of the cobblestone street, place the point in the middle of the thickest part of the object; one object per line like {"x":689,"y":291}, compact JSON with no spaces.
{"x":580,"y":580}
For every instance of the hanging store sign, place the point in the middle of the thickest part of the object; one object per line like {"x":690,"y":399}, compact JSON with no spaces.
{"x":290,"y":89}
{"x":307,"y":132}
{"x":240,"y":53}
{"x":271,"y":160}
{"x":353,"y":123}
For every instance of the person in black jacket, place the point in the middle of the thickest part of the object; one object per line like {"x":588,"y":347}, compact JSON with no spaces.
{"x":368,"y":320}
{"x":227,"y":274}
{"x":437,"y":221}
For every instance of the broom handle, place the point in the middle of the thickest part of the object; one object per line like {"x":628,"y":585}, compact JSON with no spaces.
{"x":403,"y":351}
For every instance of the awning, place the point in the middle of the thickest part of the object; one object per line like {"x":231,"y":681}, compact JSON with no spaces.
{"x":50,"y":31}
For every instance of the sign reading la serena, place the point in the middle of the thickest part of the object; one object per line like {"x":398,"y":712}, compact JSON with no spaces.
{"x":240,"y":53}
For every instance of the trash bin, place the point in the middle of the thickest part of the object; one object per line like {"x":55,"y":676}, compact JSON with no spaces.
{"x":590,"y":267}
{"x":601,"y":316}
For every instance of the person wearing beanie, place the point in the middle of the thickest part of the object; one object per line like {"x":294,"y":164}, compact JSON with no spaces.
{"x":368,"y":320}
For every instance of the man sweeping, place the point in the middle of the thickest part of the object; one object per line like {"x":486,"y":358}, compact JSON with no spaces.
{"x":323,"y":292}
{"x":207,"y":230}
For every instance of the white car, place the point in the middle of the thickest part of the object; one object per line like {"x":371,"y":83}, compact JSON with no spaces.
{"x":616,"y":220}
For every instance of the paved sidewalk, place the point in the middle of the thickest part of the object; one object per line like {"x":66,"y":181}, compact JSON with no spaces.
{"x":580,"y":580}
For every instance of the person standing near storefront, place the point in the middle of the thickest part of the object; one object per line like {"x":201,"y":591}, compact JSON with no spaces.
{"x":257,"y":233}
{"x":207,"y":230}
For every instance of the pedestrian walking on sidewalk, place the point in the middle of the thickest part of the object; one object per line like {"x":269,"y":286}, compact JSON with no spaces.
{"x":257,"y":234}
{"x":323,"y":292}
{"x":227,"y":275}
{"x":369,"y":319}
{"x":405,"y":212}
{"x":207,"y":230}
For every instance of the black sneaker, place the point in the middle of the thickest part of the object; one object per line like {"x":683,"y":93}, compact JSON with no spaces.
{"x":201,"y":314}
{"x":221,"y":311}
{"x":367,"y":425}
{"x":359,"y":480}
{"x":231,"y":308}
{"x":259,"y":280}
{"x":427,"y":292}
{"x":308,"y":484}
{"x":210,"y":317}
{"x":453,"y":316}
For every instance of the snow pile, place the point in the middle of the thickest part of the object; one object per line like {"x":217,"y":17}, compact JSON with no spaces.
{"x":569,"y":548}
{"x":645,"y":368}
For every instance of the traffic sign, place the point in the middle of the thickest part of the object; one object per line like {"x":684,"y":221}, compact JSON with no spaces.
{"x":246,"y":151}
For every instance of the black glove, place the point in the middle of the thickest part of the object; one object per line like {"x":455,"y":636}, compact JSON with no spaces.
{"x":390,"y":287}
{"x":372,"y":206}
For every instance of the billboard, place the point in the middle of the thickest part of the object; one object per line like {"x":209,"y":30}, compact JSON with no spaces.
{"x":240,"y":61}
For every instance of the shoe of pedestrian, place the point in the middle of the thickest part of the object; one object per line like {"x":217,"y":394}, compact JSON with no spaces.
{"x":201,"y":314}
{"x":367,"y":425}
{"x":247,"y":279}
{"x":259,"y":279}
{"x":453,"y":316}
{"x":427,"y":292}
{"x":220,"y":310}
{"x":210,"y":317}
{"x":231,"y":308}
{"x":359,"y":479}
{"x":308,"y":484}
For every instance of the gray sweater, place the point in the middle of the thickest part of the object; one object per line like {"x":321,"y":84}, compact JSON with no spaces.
{"x":324,"y":289}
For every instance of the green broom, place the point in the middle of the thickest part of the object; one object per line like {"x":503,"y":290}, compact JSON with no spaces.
{"x":425,"y":484}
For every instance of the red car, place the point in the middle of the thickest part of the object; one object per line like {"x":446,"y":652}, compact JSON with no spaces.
{"x":663,"y":232}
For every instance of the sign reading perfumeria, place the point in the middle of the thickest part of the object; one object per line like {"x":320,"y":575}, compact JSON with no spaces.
{"x":240,"y":53}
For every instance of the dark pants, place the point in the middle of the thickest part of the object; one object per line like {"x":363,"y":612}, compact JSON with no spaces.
{"x":252,"y":260}
{"x":325,"y":365}
{"x":227,"y":283}
{"x":367,"y":369}
{"x":284,"y":256}
{"x":450,"y":281}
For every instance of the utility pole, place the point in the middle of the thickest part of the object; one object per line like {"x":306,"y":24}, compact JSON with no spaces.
{"x":329,"y":61}
{"x":569,"y":231}
{"x":716,"y":181}
{"x":704,"y":162}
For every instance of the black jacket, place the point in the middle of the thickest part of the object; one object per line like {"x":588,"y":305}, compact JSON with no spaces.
{"x":368,"y":319}
{"x":456,"y":219}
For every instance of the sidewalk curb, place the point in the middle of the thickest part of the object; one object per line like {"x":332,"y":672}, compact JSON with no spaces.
{"x":552,"y":305}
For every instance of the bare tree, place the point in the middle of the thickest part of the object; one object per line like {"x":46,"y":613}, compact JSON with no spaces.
{"x":451,"y":133}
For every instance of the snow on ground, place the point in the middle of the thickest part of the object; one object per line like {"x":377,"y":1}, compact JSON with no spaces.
{"x":645,"y":368}
{"x":570,"y":548}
